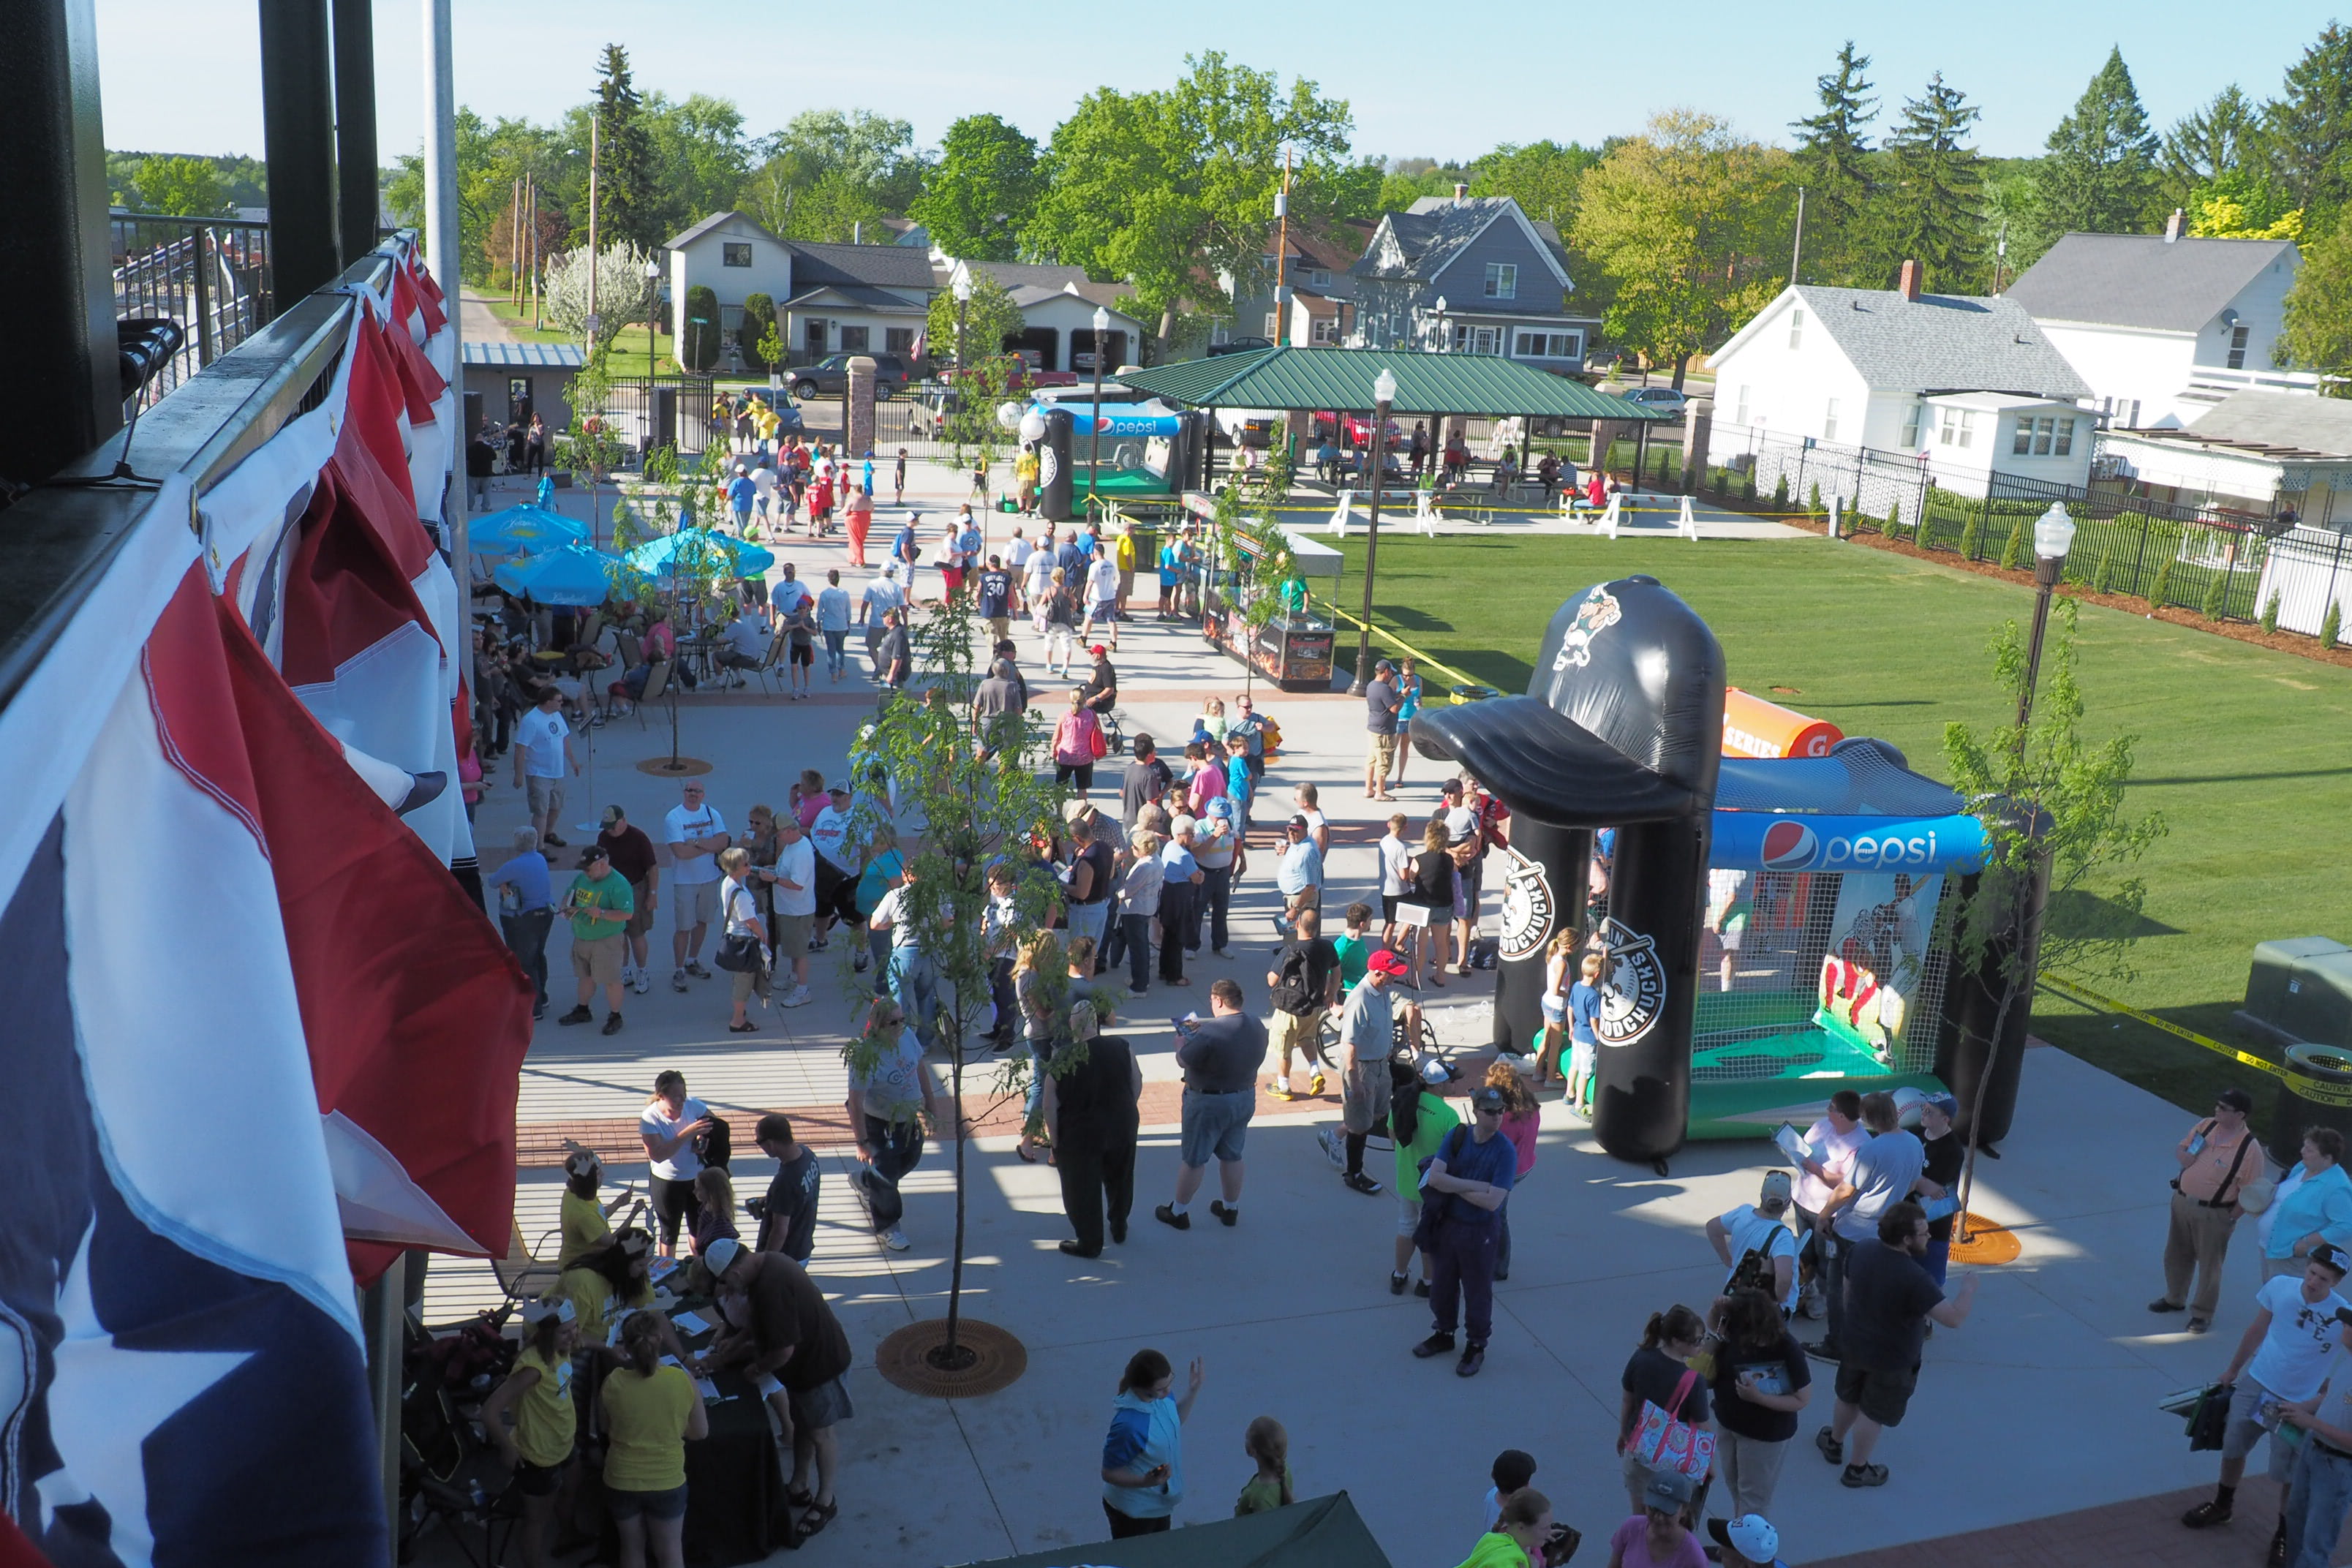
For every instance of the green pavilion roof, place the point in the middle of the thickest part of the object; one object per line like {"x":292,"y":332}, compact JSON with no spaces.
{"x":1342,"y":379}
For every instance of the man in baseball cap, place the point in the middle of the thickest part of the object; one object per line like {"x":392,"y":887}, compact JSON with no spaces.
{"x":1474,"y":1174}
{"x":1747,"y":1541}
{"x":2217,"y":1157}
{"x":1366,"y":1038}
{"x":1754,"y":1241}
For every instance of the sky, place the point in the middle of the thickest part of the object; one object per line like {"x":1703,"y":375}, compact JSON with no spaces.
{"x":1432,"y":87}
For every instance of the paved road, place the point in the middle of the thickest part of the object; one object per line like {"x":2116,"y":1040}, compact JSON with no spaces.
{"x":477,"y":324}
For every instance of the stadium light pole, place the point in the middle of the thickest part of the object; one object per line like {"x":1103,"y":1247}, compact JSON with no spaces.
{"x":1384,"y":391}
{"x":2053,"y":536}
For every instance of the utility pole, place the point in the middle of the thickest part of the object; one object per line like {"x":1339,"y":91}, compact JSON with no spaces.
{"x":530,"y":187}
{"x":1797,"y":249}
{"x":514,"y":249}
{"x":1281,"y":253}
{"x":595,"y":123}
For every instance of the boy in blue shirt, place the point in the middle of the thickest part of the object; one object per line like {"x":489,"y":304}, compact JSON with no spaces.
{"x":1583,"y":1035}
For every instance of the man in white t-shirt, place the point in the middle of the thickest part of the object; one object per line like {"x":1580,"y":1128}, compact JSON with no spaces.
{"x":2281,"y":1358}
{"x":1760,"y":1230}
{"x":1102,"y":598}
{"x":543,"y":754}
{"x":2320,"y":1495}
{"x":1835,"y":1139}
{"x":882,"y":596}
{"x":695,"y":834}
{"x":1889,"y":1168}
{"x":795,"y":885}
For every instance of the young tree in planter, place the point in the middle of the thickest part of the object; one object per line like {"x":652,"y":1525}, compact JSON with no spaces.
{"x":971,"y":426}
{"x":592,"y":448}
{"x":2052,"y":808}
{"x":1239,"y":534}
{"x":696,"y":578}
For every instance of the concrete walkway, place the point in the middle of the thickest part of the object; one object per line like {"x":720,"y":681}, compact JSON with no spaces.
{"x":478,"y":323}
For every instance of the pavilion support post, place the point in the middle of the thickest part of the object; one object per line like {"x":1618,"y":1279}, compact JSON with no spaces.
{"x":298,"y":136}
{"x":356,"y":149}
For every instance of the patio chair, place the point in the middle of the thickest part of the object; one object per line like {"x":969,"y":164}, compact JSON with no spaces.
{"x":522,"y":1274}
{"x":771,"y":659}
{"x":657,"y":688}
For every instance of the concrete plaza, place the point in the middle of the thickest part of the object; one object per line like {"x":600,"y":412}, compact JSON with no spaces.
{"x":2042,"y":1406}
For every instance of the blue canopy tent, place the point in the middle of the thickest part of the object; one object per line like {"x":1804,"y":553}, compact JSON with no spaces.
{"x":695,"y":552}
{"x":572,"y":574}
{"x":520,"y":529}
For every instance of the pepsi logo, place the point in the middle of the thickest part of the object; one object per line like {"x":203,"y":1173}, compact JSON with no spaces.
{"x":1789,"y":846}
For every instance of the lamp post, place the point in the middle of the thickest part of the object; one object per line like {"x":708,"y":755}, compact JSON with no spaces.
{"x":1384,"y":391}
{"x":963,"y":292}
{"x":1444,"y":344}
{"x":2053,"y":535}
{"x":1094,"y":427}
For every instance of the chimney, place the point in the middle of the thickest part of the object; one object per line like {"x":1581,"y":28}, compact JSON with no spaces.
{"x":1908,"y":281}
{"x":1461,"y":191}
{"x":2172,"y":226}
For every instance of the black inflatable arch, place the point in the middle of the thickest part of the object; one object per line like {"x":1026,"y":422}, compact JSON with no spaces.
{"x":1621,"y":727}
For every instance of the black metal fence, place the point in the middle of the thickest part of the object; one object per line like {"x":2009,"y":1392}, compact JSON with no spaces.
{"x":2196,"y":557}
{"x":210,"y":275}
{"x":665,"y":410}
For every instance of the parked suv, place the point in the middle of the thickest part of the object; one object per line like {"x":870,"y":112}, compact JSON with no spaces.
{"x":1240,"y":346}
{"x":831,"y":375}
{"x":928,"y":417}
{"x":1664,"y":399}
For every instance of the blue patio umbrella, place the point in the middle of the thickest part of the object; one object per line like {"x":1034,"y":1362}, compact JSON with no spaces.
{"x":692,"y":551}
{"x":571,"y":575}
{"x":520,"y":529}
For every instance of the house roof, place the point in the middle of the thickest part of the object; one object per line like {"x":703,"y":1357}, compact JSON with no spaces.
{"x":1429,"y":235}
{"x":1289,"y":377}
{"x":2139,"y":280}
{"x":1937,"y":343}
{"x":533,"y":356}
{"x":681,"y":240}
{"x":1013,"y":275}
{"x":862,"y":296}
{"x":1106,"y":295}
{"x":2295,"y":425}
{"x":877,"y":266}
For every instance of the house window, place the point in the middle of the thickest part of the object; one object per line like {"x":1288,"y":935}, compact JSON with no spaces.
{"x":899,"y":340}
{"x":1269,"y":324}
{"x":1796,"y":328}
{"x":2022,"y":444}
{"x":1318,"y":278}
{"x":1829,"y":420}
{"x":1550,"y":345}
{"x":853,"y":340}
{"x":1739,"y":406}
{"x":2238,"y":348}
{"x":1910,"y":424}
{"x":1326,"y":330}
{"x":2042,"y":430}
{"x":1958,"y":427}
{"x":1502,"y":281}
{"x":735,"y":254}
{"x":1486,"y":340}
{"x":2065,"y":446}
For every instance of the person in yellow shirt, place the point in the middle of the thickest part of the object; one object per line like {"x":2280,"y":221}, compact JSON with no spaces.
{"x":587,"y":1224}
{"x":651,"y":1413}
{"x":538,"y":1391}
{"x":1123,"y":557}
{"x":1520,"y":1536}
{"x":609,"y":1284}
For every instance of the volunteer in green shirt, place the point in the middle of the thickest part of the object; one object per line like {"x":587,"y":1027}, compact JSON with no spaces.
{"x":1520,"y":1535}
{"x":1432,"y":1120}
{"x":600,"y":903}
{"x":1355,"y":948}
{"x":538,"y":1391}
{"x":651,"y":1413}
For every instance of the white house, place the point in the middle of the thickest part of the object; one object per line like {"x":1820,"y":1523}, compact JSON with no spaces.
{"x":2255,"y":456}
{"x":833,"y":298}
{"x":2162,"y":327}
{"x":1898,"y":380}
{"x":1057,"y":310}
{"x":734,"y":256}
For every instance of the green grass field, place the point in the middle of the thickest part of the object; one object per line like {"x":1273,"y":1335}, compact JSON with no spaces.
{"x":2242,"y":751}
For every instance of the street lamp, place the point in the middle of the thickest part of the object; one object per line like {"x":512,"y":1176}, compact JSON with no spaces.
{"x":963,"y":292}
{"x":2053,"y":535}
{"x":1443,"y":343}
{"x":1384,"y":391}
{"x":1094,"y":438}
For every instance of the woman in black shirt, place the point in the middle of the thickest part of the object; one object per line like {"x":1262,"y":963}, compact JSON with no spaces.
{"x":1762,"y":1381}
{"x":1432,"y":888}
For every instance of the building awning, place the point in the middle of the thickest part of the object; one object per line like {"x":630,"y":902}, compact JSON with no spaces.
{"x":1290,"y":378}
{"x":525,"y":356}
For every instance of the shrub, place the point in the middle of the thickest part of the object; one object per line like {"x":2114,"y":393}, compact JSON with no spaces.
{"x":2331,"y":624}
{"x":2161,"y":595}
{"x":1780,"y":492}
{"x":1722,"y":483}
{"x":701,"y":342}
{"x":1894,"y":520}
{"x":1748,"y":486}
{"x":2216,"y":589}
{"x":2270,"y":613}
{"x":2103,"y":579}
{"x":2012,"y":555}
{"x":1665,"y":460}
{"x":759,"y":322}
{"x":1971,"y":535}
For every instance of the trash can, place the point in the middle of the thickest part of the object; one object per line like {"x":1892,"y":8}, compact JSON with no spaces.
{"x":1472,"y":693}
{"x":2316,"y":1092}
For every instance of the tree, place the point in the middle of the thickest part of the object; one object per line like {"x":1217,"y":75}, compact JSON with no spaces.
{"x":1169,"y":190}
{"x":1541,"y":176}
{"x":2308,"y":129}
{"x":629,"y":203}
{"x":827,"y":174}
{"x":2010,"y":236}
{"x":2100,"y":176}
{"x":182,"y":187}
{"x":760,"y":332}
{"x":989,"y":320}
{"x":1833,"y":166}
{"x":1931,"y":213}
{"x":698,"y":158}
{"x":979,"y":196}
{"x":1688,"y":222}
{"x":2051,"y":804}
{"x":2224,"y":137}
{"x":1242,"y":529}
{"x":2318,"y":335}
{"x":623,"y":295}
{"x":697,"y":330}
{"x":2240,"y":203}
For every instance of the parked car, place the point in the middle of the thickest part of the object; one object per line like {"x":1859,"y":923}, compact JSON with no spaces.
{"x":831,"y":375}
{"x":788,"y":417}
{"x":1358,"y":428}
{"x":1245,"y":427}
{"x":1240,"y":345}
{"x":1664,"y":399}
{"x":928,"y":417}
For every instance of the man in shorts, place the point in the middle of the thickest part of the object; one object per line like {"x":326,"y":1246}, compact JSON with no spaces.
{"x":1304,"y":986}
{"x":795,"y":894}
{"x":599,"y":904}
{"x":543,"y":754}
{"x":695,"y":834}
{"x":1380,"y":705}
{"x":1220,"y":1055}
{"x":1102,"y":595}
{"x":785,"y":1339}
{"x":1889,"y":1301}
{"x":633,"y":856}
{"x":1367,"y":1039}
{"x":995,"y":595}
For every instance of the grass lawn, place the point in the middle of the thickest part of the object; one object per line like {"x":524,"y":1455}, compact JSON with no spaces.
{"x":626,"y":358}
{"x":2241,"y":749}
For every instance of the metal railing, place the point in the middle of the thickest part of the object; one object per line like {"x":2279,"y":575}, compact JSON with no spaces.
{"x":210,"y":275}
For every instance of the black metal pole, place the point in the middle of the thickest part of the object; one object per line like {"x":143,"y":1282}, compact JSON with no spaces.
{"x":1372,"y":550}
{"x":298,"y":136}
{"x":2046,"y":573}
{"x":62,"y":395}
{"x":355,"y":152}
{"x":1094,"y":431}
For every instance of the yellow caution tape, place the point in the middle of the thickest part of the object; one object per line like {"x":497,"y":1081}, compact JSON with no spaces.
{"x":2089,"y":998}
{"x":1410,"y":651}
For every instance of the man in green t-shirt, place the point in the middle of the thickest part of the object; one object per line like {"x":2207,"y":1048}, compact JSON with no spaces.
{"x":1433,"y":1120}
{"x":600,"y":903}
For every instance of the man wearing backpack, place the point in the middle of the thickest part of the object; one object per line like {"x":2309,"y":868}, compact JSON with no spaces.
{"x":1304,"y":986}
{"x":1756,"y":1243}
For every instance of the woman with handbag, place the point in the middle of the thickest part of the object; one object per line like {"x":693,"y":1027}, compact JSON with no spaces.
{"x":1077,"y":744}
{"x":1659,"y":1374}
{"x":742,"y":949}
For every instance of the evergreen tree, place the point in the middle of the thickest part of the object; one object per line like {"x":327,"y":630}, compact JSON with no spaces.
{"x":628,"y":204}
{"x":1931,"y":215}
{"x":2222,"y":138}
{"x":2309,"y":130}
{"x":1832,"y":160}
{"x":2100,"y":175}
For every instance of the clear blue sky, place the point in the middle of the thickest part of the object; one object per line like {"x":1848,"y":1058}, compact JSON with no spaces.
{"x":1438,"y":82}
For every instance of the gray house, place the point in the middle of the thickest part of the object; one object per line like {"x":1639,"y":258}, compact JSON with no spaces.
{"x":1465,"y":274}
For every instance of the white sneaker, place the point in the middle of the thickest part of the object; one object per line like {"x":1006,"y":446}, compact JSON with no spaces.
{"x":895,"y":1239}
{"x":797,"y":997}
{"x":1333,"y":1150}
{"x":644,"y":982}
